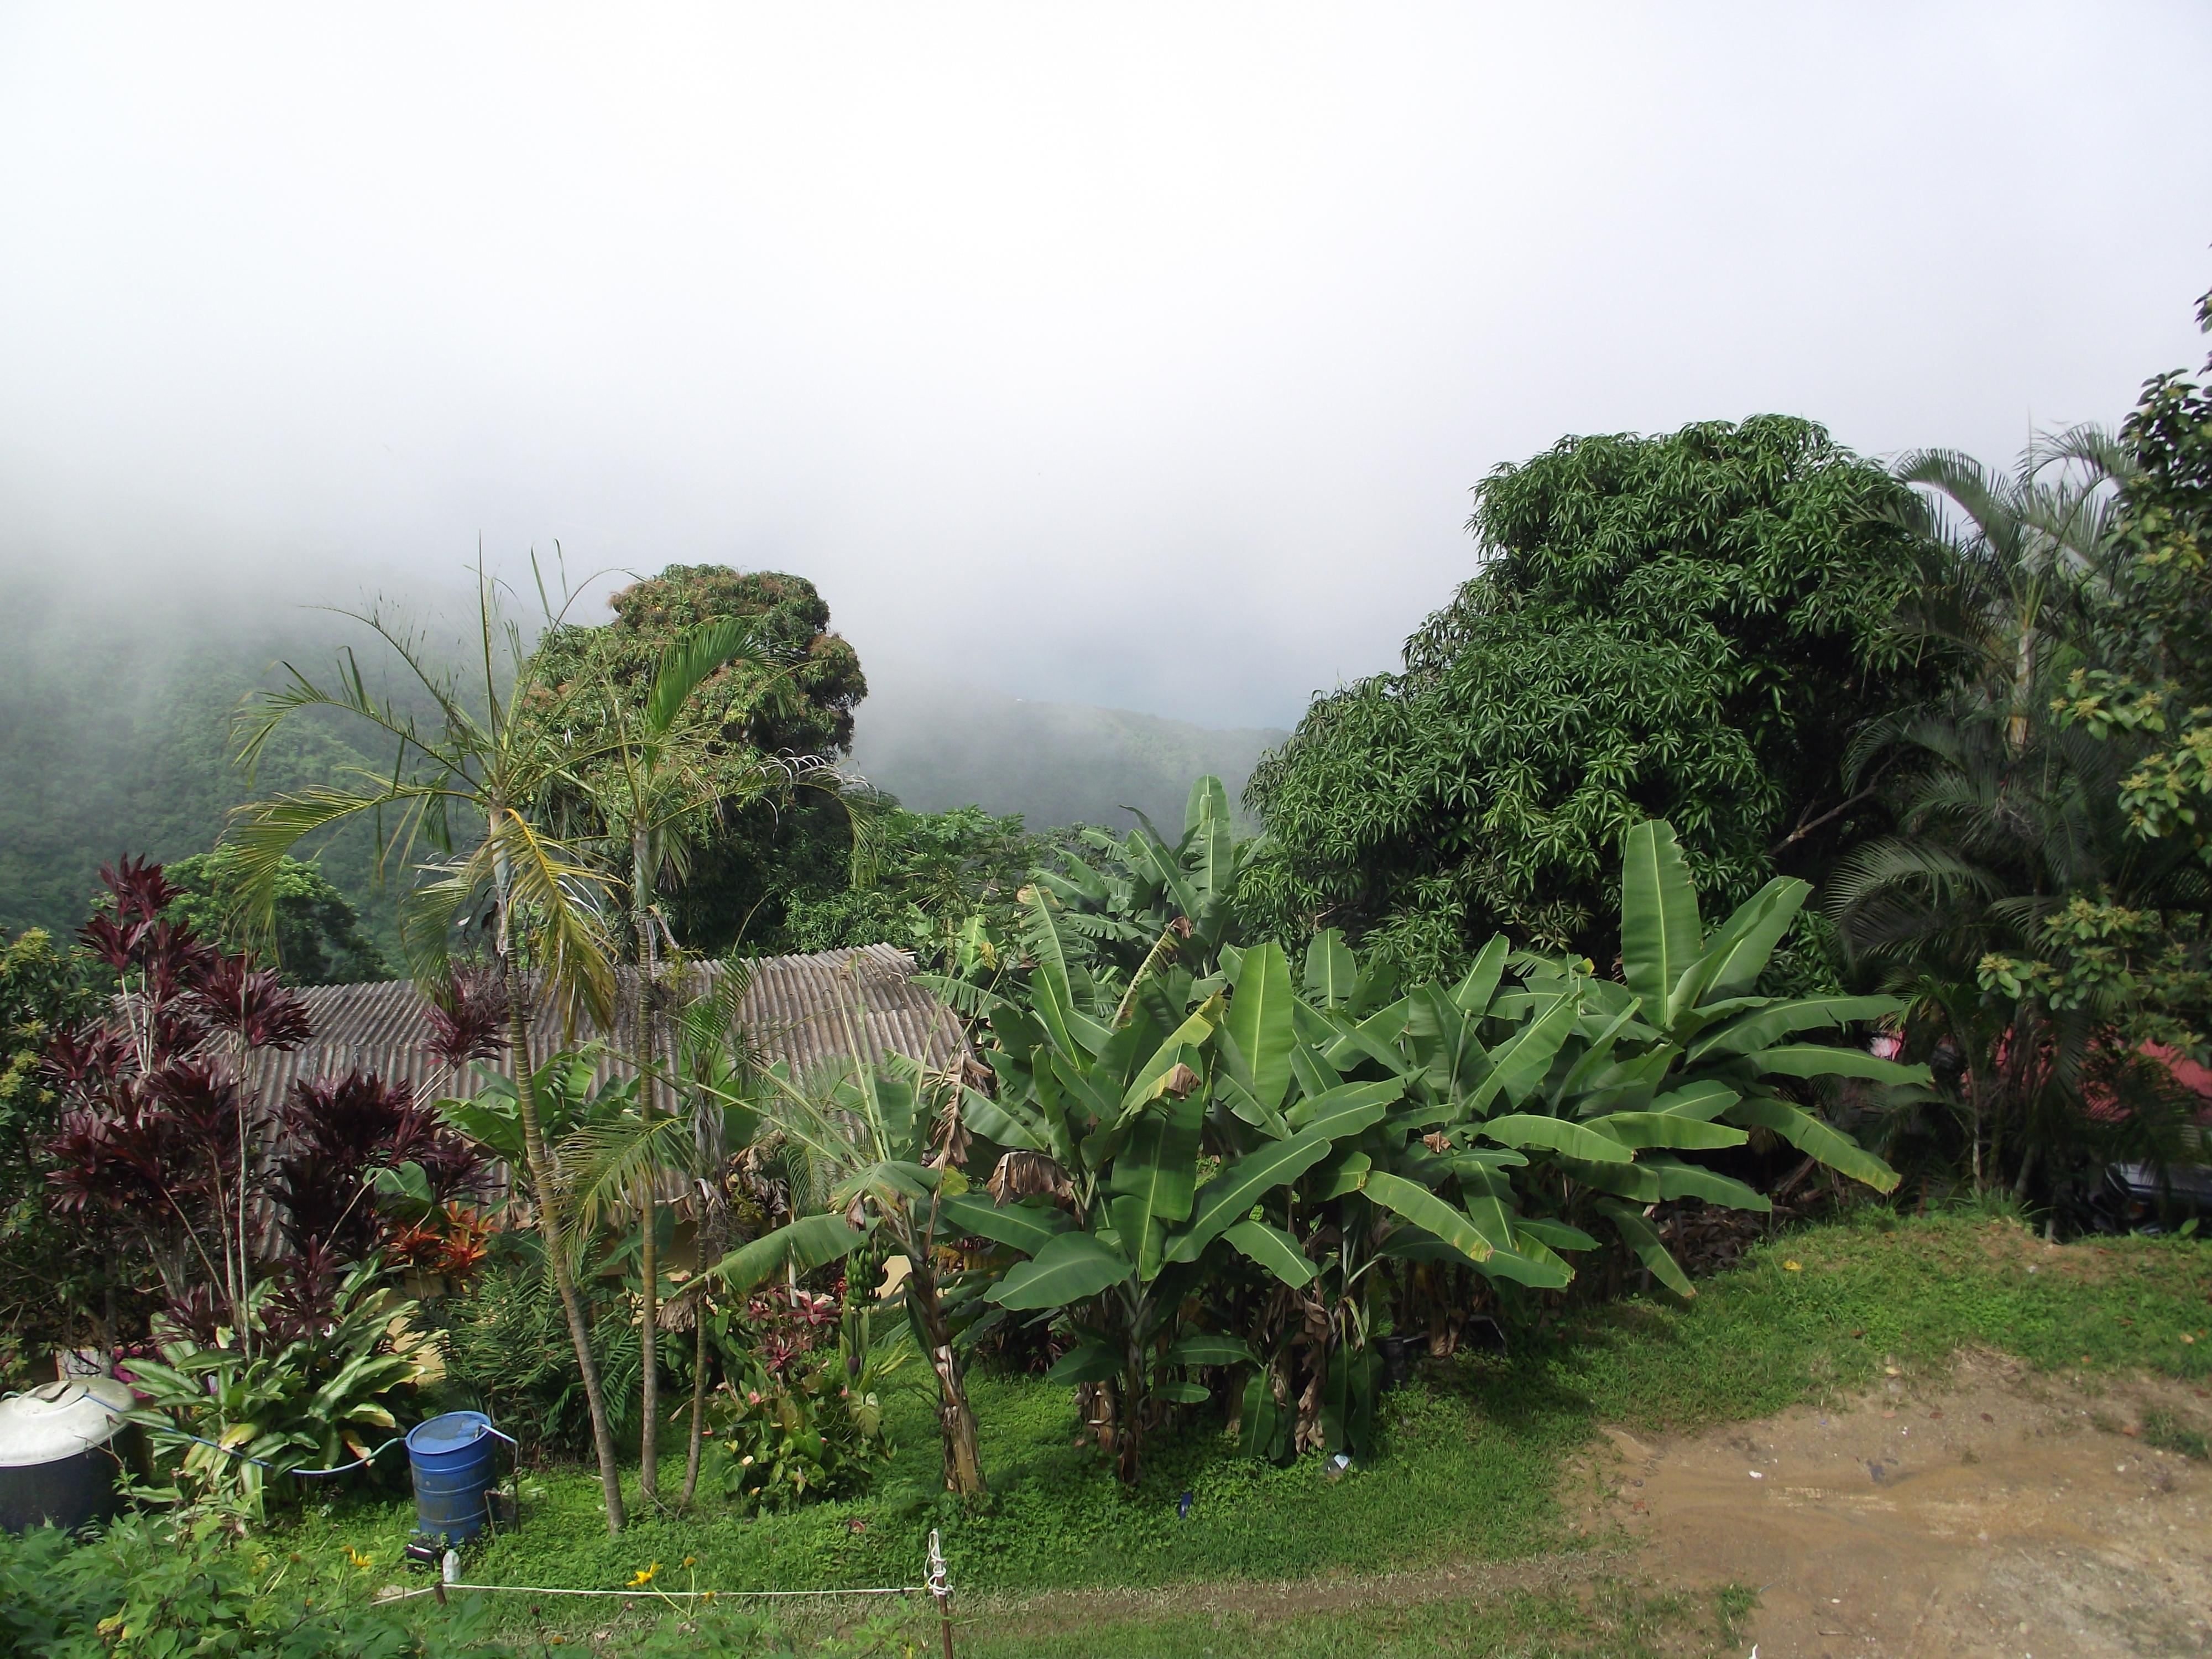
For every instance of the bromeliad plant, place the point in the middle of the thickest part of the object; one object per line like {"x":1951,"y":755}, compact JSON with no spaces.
{"x":308,"y":1383}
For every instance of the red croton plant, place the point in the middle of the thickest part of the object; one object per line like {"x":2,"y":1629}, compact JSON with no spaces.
{"x":166,"y":1137}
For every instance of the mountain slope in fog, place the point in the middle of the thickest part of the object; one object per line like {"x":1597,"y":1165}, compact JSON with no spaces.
{"x":936,"y":743}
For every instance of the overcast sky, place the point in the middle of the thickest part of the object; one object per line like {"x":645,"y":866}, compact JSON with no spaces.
{"x":1100,"y":352}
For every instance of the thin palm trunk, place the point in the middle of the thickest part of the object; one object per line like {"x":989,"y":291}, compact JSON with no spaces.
{"x":548,"y":1224}
{"x":709,"y":1252}
{"x":648,"y":1454}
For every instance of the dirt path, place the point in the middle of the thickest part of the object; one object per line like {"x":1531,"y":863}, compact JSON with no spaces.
{"x":1996,"y":1514}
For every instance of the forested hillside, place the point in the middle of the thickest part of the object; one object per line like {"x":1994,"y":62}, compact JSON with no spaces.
{"x":937,"y":743}
{"x":112,"y":742}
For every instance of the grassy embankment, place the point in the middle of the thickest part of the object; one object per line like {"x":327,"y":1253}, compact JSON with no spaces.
{"x":1461,"y":1505}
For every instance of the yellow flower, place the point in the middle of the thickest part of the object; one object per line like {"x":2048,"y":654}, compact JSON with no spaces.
{"x":361,"y":1563}
{"x":690,"y":1560}
{"x":644,"y":1578}
{"x":1793,"y":1267}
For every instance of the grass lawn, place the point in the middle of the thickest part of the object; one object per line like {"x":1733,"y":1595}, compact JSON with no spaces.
{"x":1466,"y":1483}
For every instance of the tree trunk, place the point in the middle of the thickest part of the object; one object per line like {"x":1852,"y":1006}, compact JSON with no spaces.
{"x":549,"y":1225}
{"x":709,"y":1251}
{"x":964,"y":1460}
{"x":698,"y":1401}
{"x":1129,"y":1415}
{"x":648,"y":1260}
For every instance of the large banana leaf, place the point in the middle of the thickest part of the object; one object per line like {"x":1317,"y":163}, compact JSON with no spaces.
{"x":1418,"y":1204}
{"x":1644,"y":1240}
{"x":1209,"y":1348}
{"x":1007,"y":1123}
{"x":1815,"y":1059}
{"x":1677,"y":1131}
{"x":1446,"y":1042}
{"x":1154,"y":1178}
{"x":1093,"y":1362}
{"x":1259,"y":1021}
{"x":1180,"y":1048}
{"x":1331,"y":971}
{"x":1024,"y":1227}
{"x":1556,"y":1134}
{"x":1660,"y":933}
{"x":1781,"y":1019}
{"x":1072,"y":1267}
{"x":1345,"y":1109}
{"x":1225,"y":1200}
{"x":1271,"y":1248}
{"x":1705,"y":1099}
{"x":811,"y":1241}
{"x":1740,"y":950}
{"x":1522,"y":1059}
{"x":1679,"y":1180}
{"x":1815,"y":1139}
{"x":1472,"y":995}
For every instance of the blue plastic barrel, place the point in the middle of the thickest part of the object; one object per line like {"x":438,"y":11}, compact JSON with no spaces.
{"x":452,"y":1460}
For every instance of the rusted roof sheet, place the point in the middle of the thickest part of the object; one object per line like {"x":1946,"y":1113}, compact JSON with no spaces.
{"x":803,"y":1010}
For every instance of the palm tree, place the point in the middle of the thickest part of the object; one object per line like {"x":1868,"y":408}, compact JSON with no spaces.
{"x":2014,"y":556}
{"x":662,"y":780}
{"x":2003,"y":815}
{"x":470,"y":791}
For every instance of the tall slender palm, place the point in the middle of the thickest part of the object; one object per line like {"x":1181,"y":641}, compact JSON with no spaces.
{"x":651,"y":795}
{"x":2014,"y":557}
{"x":619,"y":1165}
{"x":464,"y":803}
{"x":2001,"y":814}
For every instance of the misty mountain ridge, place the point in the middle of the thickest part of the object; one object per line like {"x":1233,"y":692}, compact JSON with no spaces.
{"x":937,"y":743}
{"x":114,"y":742}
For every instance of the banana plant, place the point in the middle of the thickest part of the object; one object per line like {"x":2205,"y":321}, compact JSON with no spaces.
{"x":1144,"y":1147}
{"x":1571,"y":1099}
{"x":891,"y":1153}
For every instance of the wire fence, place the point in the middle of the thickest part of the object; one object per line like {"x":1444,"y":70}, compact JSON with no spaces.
{"x":938,"y":1586}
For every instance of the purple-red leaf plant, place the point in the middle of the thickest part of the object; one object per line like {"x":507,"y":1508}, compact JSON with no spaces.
{"x":164,"y":1134}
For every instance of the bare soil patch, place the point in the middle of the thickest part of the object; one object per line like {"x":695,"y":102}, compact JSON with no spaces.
{"x":1988,"y":1512}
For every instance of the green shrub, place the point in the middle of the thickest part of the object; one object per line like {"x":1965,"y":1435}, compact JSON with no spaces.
{"x":315,"y":1391}
{"x":799,"y":1438}
{"x":164,"y":1589}
{"x":508,"y":1353}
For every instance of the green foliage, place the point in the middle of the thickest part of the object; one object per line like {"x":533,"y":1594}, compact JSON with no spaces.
{"x":944,"y":888}
{"x":1685,"y":627}
{"x":161,"y":1588}
{"x":1203,"y":1120}
{"x":44,"y":1268}
{"x":314,"y":934}
{"x":1467,"y":1459}
{"x":786,"y":703}
{"x":505,"y":1339}
{"x":2038,"y":940}
{"x":2150,"y":672}
{"x":796,"y":1438}
{"x":316,"y":1390}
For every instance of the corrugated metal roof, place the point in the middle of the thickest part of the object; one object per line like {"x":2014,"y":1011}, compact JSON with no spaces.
{"x":803,"y":1010}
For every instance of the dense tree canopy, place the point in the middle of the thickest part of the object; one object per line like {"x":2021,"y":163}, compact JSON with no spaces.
{"x":790,"y":705}
{"x":314,"y":937}
{"x":1686,"y":626}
